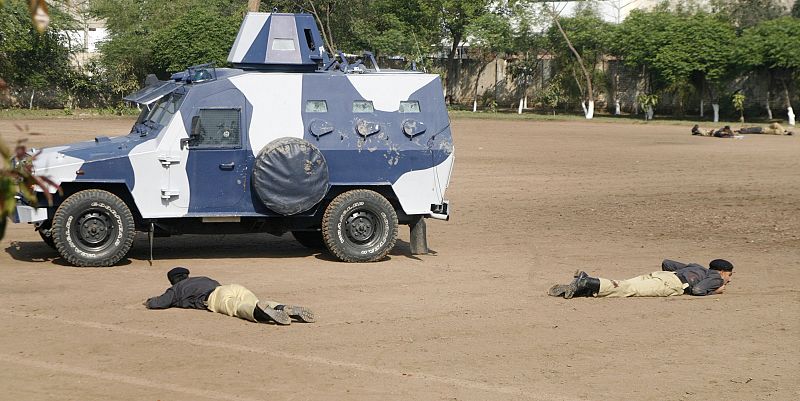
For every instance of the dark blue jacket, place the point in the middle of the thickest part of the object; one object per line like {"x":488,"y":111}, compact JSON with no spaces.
{"x":190,"y":293}
{"x":702,"y":281}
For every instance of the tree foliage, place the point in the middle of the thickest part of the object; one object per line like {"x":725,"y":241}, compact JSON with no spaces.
{"x":28,"y":58}
{"x":150,"y":36}
{"x":748,"y":13}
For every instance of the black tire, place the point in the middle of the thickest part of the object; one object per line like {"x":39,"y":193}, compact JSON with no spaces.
{"x":93,"y":228}
{"x":359,"y":226}
{"x":310,"y":239}
{"x":46,"y":233}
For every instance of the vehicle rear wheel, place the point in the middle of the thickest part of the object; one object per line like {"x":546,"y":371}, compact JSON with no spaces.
{"x":359,"y":226}
{"x":93,"y":228}
{"x":310,"y":239}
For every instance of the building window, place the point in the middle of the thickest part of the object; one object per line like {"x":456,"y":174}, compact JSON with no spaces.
{"x":363,"y":106}
{"x":216,"y":128}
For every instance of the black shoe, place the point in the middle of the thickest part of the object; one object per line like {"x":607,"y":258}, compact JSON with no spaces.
{"x":299,"y":313}
{"x":582,"y":286}
{"x":576,"y":287}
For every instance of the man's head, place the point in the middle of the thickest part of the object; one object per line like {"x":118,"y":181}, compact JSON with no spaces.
{"x":177,"y":274}
{"x":724,"y":268}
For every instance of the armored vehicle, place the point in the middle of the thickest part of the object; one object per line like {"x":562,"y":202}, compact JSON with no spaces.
{"x":288,"y":140}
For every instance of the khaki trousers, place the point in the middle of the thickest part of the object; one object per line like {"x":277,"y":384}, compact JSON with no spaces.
{"x":656,"y":284}
{"x":235,"y":300}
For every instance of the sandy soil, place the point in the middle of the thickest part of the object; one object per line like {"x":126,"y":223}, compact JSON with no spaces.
{"x":532,"y":202}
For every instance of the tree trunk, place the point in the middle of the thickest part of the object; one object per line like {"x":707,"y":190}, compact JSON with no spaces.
{"x":617,"y":108}
{"x":715,"y":106}
{"x":521,"y":103}
{"x":477,"y":82}
{"x":30,"y":104}
{"x":589,"y":89}
{"x":450,"y":67}
{"x":769,"y":110}
{"x":789,"y":110}
{"x":702,"y":107}
{"x":648,"y":114}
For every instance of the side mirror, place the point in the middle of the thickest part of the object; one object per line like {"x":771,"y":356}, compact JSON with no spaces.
{"x":194,"y":134}
{"x":195,"y":126}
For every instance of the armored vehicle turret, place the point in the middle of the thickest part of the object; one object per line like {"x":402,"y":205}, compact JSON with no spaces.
{"x":282,"y":142}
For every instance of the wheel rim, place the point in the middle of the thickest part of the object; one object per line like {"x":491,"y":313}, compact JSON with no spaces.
{"x":94,"y":229}
{"x":363,"y":227}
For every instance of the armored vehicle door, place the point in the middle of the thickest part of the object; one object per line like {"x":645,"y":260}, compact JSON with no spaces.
{"x":217,"y":164}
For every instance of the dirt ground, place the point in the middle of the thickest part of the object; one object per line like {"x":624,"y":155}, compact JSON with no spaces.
{"x":532,"y":202}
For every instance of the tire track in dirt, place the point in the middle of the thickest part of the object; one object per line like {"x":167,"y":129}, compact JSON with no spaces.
{"x":115,"y":377}
{"x":506,"y":390}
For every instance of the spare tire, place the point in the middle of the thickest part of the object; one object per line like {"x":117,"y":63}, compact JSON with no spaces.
{"x":290,"y":175}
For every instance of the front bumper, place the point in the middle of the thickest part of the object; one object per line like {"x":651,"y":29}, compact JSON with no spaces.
{"x":28,"y":214}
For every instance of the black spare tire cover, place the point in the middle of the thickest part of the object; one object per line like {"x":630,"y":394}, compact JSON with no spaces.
{"x":290,"y":175}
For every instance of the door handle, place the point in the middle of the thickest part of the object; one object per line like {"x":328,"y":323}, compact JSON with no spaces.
{"x":227,"y":166}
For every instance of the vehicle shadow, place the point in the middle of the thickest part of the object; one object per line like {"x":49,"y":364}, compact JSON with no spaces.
{"x":200,"y":247}
{"x":39,"y":252}
{"x":401,"y":248}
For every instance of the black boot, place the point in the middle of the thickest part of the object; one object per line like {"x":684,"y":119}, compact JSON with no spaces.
{"x":582,"y":286}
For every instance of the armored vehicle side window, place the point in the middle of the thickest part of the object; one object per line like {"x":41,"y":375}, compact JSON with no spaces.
{"x":216,"y":128}
{"x":316,"y":106}
{"x":410,"y":106}
{"x":363,"y":106}
{"x":161,"y":111}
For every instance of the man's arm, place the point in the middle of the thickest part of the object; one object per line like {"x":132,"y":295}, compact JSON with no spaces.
{"x":162,"y":301}
{"x":708,"y":286}
{"x":671,"y":265}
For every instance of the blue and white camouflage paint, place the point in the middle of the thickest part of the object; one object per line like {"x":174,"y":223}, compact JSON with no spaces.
{"x":410,"y":153}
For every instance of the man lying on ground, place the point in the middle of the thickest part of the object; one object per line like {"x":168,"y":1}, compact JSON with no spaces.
{"x":772,"y":129}
{"x":232,"y":300}
{"x":724,"y":132}
{"x":675,"y":278}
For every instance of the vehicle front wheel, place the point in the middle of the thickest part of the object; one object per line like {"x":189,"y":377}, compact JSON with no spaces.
{"x":93,"y":228}
{"x":359,"y":226}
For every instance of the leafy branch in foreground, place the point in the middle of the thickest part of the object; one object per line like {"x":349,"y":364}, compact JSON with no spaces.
{"x":17,"y":176}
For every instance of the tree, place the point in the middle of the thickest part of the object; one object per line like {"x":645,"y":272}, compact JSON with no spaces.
{"x":30,"y":59}
{"x":748,"y":13}
{"x":454,"y":17}
{"x":674,"y":50}
{"x":772,"y":45}
{"x":796,"y":9}
{"x":203,"y":35}
{"x":151,"y":36}
{"x":490,"y":34}
{"x":585,"y":37}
